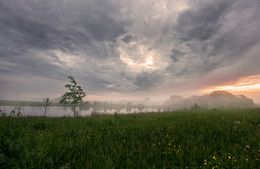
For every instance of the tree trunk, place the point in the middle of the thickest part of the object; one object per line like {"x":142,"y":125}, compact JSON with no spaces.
{"x":45,"y":111}
{"x":73,"y":108}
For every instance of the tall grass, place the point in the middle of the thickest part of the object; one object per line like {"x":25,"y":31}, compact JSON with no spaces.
{"x":192,"y":139}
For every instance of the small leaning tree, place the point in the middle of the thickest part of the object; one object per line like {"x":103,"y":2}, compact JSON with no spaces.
{"x":74,"y":97}
{"x":47,"y":103}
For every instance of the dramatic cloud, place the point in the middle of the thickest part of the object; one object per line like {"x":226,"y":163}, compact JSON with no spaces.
{"x":126,"y":49}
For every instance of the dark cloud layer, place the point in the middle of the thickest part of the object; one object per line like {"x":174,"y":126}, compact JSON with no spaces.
{"x":202,"y":22}
{"x":125,"y":47}
{"x":215,"y":34}
{"x":127,"y":38}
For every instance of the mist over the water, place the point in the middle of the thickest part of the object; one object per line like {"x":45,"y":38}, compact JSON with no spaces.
{"x":213,"y":100}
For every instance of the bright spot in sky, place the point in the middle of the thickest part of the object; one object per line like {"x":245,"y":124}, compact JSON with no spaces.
{"x":149,"y":61}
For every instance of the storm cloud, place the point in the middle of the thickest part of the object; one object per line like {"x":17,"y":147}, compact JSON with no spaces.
{"x":125,"y":48}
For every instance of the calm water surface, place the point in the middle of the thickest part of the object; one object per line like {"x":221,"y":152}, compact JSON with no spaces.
{"x":61,"y":111}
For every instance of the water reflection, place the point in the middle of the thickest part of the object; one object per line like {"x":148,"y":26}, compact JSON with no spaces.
{"x":66,"y":111}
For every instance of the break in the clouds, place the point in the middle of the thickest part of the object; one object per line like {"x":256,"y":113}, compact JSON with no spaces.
{"x":126,"y":49}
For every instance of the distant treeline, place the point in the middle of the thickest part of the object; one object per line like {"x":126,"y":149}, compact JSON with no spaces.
{"x":217,"y":99}
{"x":19,"y":103}
{"x":26,"y":103}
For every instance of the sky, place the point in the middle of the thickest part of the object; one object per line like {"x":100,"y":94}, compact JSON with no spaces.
{"x":125,"y":50}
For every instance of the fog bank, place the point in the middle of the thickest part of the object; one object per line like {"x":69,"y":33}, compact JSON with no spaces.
{"x":215,"y":99}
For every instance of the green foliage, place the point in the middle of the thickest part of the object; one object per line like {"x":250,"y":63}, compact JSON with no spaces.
{"x":184,"y":139}
{"x":2,"y":113}
{"x":195,"y":106}
{"x":15,"y":112}
{"x":74,"y":97}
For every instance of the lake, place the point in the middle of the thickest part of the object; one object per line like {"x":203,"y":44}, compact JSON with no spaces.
{"x":63,"y":111}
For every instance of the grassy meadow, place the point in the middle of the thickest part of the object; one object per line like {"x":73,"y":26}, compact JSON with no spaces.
{"x":185,"y":139}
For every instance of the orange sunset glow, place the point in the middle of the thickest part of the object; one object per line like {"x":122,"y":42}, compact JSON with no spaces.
{"x":249,"y":85}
